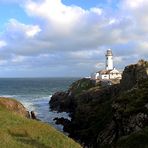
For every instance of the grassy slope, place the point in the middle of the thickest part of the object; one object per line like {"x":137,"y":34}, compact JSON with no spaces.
{"x":16,"y":131}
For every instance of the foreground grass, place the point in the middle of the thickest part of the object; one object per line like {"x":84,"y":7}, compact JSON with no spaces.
{"x":20,"y":132}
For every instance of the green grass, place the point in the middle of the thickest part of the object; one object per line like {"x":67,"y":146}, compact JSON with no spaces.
{"x":82,"y":85}
{"x":20,"y":132}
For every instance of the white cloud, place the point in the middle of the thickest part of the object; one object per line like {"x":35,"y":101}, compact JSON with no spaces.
{"x":18,"y":59}
{"x":88,"y":54}
{"x":99,"y":66}
{"x":18,"y":29}
{"x":32,"y":31}
{"x":3,"y":62}
{"x":112,"y":21}
{"x":2,"y":44}
{"x":73,"y":36}
{"x":96,"y":10}
{"x":55,"y":12}
{"x":134,"y":4}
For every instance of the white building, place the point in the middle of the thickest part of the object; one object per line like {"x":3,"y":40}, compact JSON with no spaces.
{"x":110,"y":72}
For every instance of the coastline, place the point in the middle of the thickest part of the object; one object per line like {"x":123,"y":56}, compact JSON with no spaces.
{"x":19,"y":130}
{"x":35,"y":94}
{"x":105,"y":115}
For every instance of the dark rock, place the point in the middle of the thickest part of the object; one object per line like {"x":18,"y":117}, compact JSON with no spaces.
{"x":33,"y":116}
{"x":101,"y":116}
{"x":132,"y":74}
{"x":62,"y":101}
{"x":63,"y":121}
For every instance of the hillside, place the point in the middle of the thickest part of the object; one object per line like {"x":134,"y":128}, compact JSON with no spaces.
{"x":111,"y":116}
{"x":17,"y":131}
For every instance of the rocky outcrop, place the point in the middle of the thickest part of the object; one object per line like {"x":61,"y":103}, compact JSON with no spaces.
{"x":107,"y":116}
{"x":33,"y":116}
{"x":81,"y":86}
{"x":130,"y":113}
{"x":65,"y":101}
{"x":62,"y":102}
{"x":14,"y":106}
{"x":132,"y":74}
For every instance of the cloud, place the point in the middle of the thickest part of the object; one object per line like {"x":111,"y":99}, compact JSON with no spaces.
{"x":55,"y":12}
{"x":85,"y":55}
{"x":64,"y":28}
{"x":71,"y":37}
{"x":32,"y":31}
{"x":17,"y":29}
{"x":134,"y":4}
{"x":18,"y":59}
{"x":2,"y":44}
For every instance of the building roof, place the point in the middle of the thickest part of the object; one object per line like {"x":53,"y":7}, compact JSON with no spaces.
{"x":108,"y":71}
{"x":104,"y":71}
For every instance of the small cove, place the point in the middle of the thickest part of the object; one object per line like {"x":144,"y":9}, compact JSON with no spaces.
{"x":35,"y":93}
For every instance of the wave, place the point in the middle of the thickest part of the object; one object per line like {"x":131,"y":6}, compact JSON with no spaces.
{"x":40,"y":105}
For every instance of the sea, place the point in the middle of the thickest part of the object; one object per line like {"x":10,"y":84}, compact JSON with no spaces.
{"x":35,"y":94}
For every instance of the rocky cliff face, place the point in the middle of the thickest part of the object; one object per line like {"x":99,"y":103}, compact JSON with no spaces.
{"x":129,"y":114}
{"x":66,"y":101}
{"x":109,"y":116}
{"x":134,"y":73}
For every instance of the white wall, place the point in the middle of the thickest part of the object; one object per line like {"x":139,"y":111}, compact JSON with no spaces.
{"x":97,"y":75}
{"x":109,"y":62}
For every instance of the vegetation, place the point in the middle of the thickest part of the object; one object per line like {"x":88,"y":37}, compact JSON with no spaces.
{"x":112,"y":116}
{"x":82,"y":85}
{"x":137,"y":140}
{"x":134,"y":100}
{"x":19,"y":132}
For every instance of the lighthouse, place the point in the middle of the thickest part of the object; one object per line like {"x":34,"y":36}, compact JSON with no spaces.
{"x":109,"y":60}
{"x":109,"y":73}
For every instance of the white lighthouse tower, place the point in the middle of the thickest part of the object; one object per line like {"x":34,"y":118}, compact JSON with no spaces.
{"x":109,"y":60}
{"x":109,"y":73}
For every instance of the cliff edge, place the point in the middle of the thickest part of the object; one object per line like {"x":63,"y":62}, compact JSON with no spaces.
{"x":17,"y":131}
{"x":110,"y":116}
{"x":14,"y":106}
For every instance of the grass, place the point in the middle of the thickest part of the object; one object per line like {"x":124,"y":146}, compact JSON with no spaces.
{"x":20,"y":132}
{"x":81,"y":85}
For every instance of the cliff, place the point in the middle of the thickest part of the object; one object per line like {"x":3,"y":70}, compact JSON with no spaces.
{"x":14,"y":106}
{"x":134,"y":73}
{"x":108,"y":116}
{"x":17,"y":131}
{"x":65,"y":101}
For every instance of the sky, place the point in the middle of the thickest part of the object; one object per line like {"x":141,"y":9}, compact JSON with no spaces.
{"x":69,"y":38}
